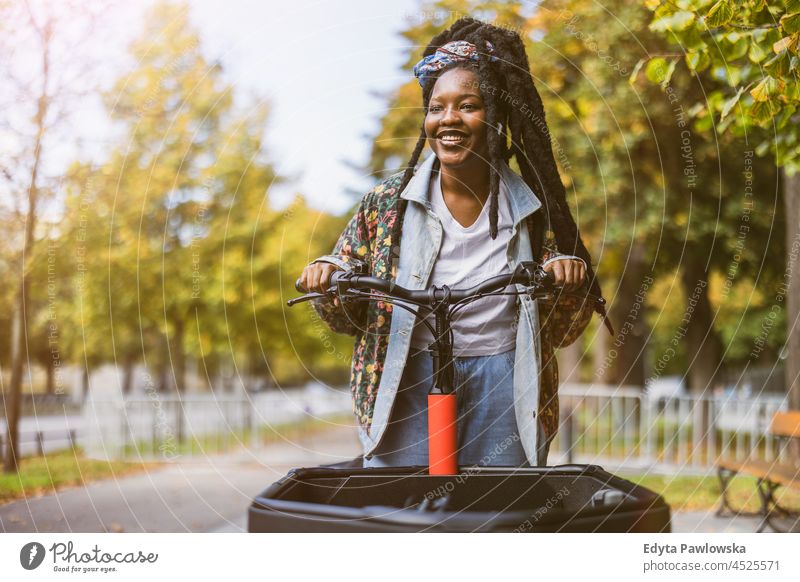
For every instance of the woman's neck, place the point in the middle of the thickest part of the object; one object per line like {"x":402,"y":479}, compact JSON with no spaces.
{"x":471,"y":182}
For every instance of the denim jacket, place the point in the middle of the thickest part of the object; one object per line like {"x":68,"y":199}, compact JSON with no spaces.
{"x":383,"y":335}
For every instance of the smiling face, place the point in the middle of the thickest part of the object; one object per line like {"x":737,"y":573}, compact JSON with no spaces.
{"x":455,"y":124}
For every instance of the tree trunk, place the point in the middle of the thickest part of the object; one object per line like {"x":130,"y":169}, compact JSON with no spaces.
{"x":161,"y":367}
{"x":127,"y":374}
{"x":626,"y":361}
{"x":179,"y":358}
{"x":179,"y":374}
{"x":18,"y":346}
{"x":791,"y":193}
{"x":85,"y":383}
{"x":210,"y":370}
{"x":20,"y":343}
{"x":704,"y":347}
{"x":51,"y":375}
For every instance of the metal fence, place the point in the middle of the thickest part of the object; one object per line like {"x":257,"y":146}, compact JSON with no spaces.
{"x":39,"y":442}
{"x":626,"y":427}
{"x":621,"y":427}
{"x":167,"y":427}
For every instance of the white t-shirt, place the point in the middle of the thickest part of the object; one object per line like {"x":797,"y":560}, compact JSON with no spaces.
{"x":468,"y":256}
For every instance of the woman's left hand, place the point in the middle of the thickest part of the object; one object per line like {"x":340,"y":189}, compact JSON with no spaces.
{"x":570,"y":273}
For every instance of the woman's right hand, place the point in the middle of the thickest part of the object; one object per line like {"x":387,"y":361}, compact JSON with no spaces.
{"x":316,"y":277}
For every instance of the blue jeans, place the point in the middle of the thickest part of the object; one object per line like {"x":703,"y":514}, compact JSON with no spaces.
{"x":487,"y":425}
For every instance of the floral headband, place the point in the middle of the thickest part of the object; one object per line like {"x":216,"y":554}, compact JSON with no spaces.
{"x":457,"y":50}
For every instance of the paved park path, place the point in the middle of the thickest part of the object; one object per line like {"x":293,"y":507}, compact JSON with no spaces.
{"x":196,"y":495}
{"x":212,"y":494}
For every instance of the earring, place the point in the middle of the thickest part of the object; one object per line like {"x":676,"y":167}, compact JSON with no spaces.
{"x":499,"y":128}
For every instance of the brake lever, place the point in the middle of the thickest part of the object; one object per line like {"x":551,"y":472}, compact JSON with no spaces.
{"x":309,"y":296}
{"x":306,"y":297}
{"x":558,"y":290}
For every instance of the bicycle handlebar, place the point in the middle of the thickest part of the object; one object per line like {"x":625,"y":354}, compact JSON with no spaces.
{"x":527,"y":273}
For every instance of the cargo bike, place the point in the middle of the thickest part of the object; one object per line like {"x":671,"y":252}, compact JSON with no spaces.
{"x":443,"y":497}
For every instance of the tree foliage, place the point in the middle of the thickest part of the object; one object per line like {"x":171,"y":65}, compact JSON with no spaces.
{"x":752,"y":47}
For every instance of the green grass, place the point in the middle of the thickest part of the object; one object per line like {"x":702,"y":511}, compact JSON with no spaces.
{"x":691,"y":493}
{"x":292,"y":431}
{"x":43,"y":475}
{"x":230,"y":440}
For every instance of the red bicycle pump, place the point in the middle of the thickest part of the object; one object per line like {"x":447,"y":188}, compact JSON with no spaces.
{"x":442,"y":436}
{"x":442,"y":403}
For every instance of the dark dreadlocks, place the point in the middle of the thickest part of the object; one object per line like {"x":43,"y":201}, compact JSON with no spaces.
{"x":530,"y":136}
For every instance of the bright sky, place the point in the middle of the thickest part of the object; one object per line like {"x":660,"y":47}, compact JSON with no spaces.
{"x":316,"y":62}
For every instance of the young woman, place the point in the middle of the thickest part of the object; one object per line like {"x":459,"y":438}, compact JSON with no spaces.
{"x":460,"y":217}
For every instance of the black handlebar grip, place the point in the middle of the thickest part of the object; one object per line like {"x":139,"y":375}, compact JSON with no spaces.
{"x":332,"y":282}
{"x":335,"y":277}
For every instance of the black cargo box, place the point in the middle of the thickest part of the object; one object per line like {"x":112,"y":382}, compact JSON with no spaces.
{"x":563,"y":498}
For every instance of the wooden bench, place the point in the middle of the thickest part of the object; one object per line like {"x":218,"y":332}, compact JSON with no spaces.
{"x":769,"y":476}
